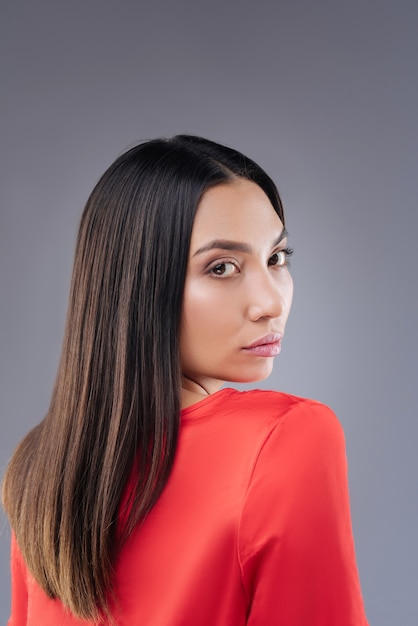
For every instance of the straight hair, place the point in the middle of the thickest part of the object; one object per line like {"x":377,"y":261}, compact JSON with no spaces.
{"x":90,"y":472}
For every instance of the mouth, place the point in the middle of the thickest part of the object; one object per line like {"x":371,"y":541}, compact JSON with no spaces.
{"x":267,"y":346}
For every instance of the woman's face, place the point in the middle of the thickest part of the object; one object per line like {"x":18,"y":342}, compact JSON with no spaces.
{"x":238,"y":288}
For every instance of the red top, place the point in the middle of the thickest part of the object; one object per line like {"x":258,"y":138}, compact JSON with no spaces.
{"x":252,"y":528}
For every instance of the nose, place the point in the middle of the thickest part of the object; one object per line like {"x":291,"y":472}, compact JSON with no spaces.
{"x":269,"y":296}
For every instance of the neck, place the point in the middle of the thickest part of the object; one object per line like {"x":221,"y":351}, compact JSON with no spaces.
{"x":190,"y":385}
{"x":191,"y":392}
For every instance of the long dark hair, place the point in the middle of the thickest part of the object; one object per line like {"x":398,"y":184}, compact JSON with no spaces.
{"x":116,"y":401}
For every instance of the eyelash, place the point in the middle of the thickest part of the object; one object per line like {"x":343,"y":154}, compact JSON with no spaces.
{"x":287,"y":252}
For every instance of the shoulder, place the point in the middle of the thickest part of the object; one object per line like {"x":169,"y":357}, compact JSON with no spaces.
{"x":300,"y":462}
{"x":303,"y":434}
{"x":294,"y":536}
{"x":283,"y":412}
{"x":276,"y":402}
{"x":259,"y":414}
{"x":264,"y":432}
{"x":299,"y":474}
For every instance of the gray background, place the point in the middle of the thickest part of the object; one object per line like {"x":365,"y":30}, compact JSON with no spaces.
{"x":324,"y":95}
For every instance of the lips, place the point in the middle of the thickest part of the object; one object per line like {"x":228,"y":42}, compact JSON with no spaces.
{"x":267,"y":346}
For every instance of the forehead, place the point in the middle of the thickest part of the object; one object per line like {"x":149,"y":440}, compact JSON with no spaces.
{"x":237,"y":210}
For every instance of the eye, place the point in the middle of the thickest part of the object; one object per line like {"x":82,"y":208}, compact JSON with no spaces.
{"x":226,"y":268}
{"x":281,"y":258}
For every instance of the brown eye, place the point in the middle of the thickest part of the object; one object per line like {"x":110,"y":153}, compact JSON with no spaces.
{"x":278,"y":258}
{"x":223,"y":269}
{"x":281,"y":258}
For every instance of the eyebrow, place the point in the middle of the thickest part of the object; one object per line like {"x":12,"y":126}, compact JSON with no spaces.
{"x":235,"y":246}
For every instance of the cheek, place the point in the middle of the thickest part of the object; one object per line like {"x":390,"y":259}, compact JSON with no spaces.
{"x":206,"y":316}
{"x":285,"y":289}
{"x":289,"y":293}
{"x":202,"y":302}
{"x":200,"y":330}
{"x":193,"y":316}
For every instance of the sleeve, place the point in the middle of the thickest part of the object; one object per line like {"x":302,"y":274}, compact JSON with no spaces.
{"x":295,"y":541}
{"x":18,"y":615}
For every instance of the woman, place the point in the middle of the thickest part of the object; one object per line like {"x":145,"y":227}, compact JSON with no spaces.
{"x":149,"y":495}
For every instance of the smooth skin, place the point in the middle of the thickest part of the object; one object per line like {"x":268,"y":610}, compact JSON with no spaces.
{"x":238,"y":290}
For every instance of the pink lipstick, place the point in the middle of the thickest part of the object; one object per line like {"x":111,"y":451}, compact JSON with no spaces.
{"x":267,"y":346}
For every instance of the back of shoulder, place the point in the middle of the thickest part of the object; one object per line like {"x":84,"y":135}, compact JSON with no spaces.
{"x":271,"y":415}
{"x":287,"y":411}
{"x":305,"y":431}
{"x":253,"y":422}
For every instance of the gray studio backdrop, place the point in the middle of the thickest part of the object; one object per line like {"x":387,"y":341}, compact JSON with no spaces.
{"x":324,"y":95}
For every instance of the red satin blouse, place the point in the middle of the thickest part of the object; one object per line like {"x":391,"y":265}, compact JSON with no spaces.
{"x":253,"y":527}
